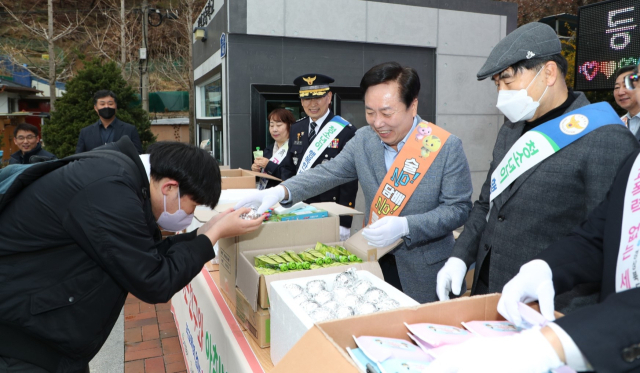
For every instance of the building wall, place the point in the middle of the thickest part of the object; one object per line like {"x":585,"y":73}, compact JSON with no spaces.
{"x":178,"y":133}
{"x":4,"y":101}
{"x":274,"y":38}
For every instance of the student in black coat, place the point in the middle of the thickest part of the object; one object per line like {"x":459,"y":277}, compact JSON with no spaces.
{"x":280,"y":121}
{"x":108,"y":128}
{"x":27,"y":139}
{"x":77,"y":240}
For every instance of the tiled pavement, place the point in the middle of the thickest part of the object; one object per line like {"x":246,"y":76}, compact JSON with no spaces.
{"x":151,"y":343}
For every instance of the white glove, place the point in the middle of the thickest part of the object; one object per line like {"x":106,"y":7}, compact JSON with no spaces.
{"x":450,"y":278}
{"x":533,"y":282}
{"x":263,"y":199}
{"x":345,"y":233}
{"x":386,"y":231}
{"x":526,"y":352}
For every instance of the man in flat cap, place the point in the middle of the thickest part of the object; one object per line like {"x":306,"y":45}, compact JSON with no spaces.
{"x":329,"y":132}
{"x":553,"y":161}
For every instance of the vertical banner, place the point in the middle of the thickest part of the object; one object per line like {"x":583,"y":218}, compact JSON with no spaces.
{"x":211,"y":339}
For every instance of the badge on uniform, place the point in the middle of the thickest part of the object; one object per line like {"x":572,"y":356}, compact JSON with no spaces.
{"x":335,"y":143}
{"x":295,"y":161}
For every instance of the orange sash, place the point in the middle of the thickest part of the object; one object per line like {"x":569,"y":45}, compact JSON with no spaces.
{"x":407,"y":170}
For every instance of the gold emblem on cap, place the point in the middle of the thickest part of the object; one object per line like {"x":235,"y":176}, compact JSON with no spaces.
{"x":310,"y":80}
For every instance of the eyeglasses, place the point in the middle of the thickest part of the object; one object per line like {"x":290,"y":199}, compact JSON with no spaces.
{"x":631,"y":81}
{"x":22,"y":138}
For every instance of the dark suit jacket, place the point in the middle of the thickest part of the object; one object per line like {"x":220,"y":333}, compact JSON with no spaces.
{"x":543,"y":205}
{"x":607,"y":332}
{"x":344,"y":194}
{"x":272,"y":168}
{"x":90,"y":136}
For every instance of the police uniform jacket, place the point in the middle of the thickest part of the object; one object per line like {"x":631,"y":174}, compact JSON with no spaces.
{"x":542,"y":205}
{"x":74,"y":243}
{"x":608,"y":334}
{"x":344,"y":194}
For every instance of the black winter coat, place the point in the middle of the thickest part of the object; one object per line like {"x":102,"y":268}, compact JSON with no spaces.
{"x":74,"y":244}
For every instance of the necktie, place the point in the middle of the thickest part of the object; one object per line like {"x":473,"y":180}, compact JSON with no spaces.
{"x":312,"y":132}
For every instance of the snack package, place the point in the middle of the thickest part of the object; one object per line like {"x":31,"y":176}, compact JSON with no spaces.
{"x":438,"y":335}
{"x":403,"y":366}
{"x":424,"y":346}
{"x":380,"y":349}
{"x":491,"y":328}
{"x":362,"y":361}
{"x":257,"y":153}
{"x":531,"y":317}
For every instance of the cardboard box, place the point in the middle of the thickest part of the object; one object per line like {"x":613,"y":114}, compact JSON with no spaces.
{"x":323,"y":348}
{"x":273,"y":236}
{"x":290,"y":322}
{"x":258,"y":324}
{"x":242,"y":179}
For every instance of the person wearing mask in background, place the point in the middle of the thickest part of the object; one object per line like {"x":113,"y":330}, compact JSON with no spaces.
{"x":108,"y":128}
{"x":626,"y":99}
{"x":553,"y":161}
{"x":315,"y":96}
{"x":414,"y":176}
{"x":280,"y":121}
{"x":27,"y":139}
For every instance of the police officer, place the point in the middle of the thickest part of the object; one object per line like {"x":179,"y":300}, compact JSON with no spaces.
{"x":316,"y":95}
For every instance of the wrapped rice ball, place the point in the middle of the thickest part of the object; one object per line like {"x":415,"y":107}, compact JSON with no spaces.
{"x":375,"y":295}
{"x":251,"y":215}
{"x":365,"y":308}
{"x":352,"y":300}
{"x":331,"y":305}
{"x":294,"y":289}
{"x":309,"y":306}
{"x":388,"y":304}
{"x":347,"y":278}
{"x":361,"y":287}
{"x":314,"y":287}
{"x":344,"y":311}
{"x":340,"y":293}
{"x":323,"y":297}
{"x":321,"y":314}
{"x":302,"y":297}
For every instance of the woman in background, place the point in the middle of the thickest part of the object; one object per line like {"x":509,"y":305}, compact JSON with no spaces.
{"x":280,"y":121}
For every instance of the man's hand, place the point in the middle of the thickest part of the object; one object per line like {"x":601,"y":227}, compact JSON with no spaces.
{"x":262,"y":162}
{"x":345,"y":233}
{"x":526,"y":352}
{"x":263,"y":199}
{"x":386,"y":231}
{"x":255,"y":168}
{"x":450,"y":278}
{"x":229,"y":224}
{"x":207,"y":226}
{"x":533,"y":282}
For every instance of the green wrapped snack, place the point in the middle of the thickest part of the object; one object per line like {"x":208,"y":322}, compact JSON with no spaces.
{"x":314,"y":266}
{"x":263,"y":261}
{"x":290,"y":262}
{"x":350,"y":256}
{"x":326,"y":259}
{"x":311,"y":258}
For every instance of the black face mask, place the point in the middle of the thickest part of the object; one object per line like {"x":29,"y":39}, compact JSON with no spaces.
{"x":107,"y":112}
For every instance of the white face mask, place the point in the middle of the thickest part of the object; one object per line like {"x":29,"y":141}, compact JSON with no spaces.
{"x":177,"y":221}
{"x":517,"y":105}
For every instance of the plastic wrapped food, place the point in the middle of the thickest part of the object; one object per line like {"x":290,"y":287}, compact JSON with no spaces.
{"x":352,"y":300}
{"x":388,"y":304}
{"x":344,"y":311}
{"x":314,"y":287}
{"x":331,"y":305}
{"x":294,"y":289}
{"x":361,"y":287}
{"x":292,"y":264}
{"x":302,"y":297}
{"x":309,"y":306}
{"x":375,"y":295}
{"x":365,"y":308}
{"x":251,"y":215}
{"x":321,"y":314}
{"x":323,"y":297}
{"x":340,"y":293}
{"x":347,"y":278}
{"x":297,"y":259}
